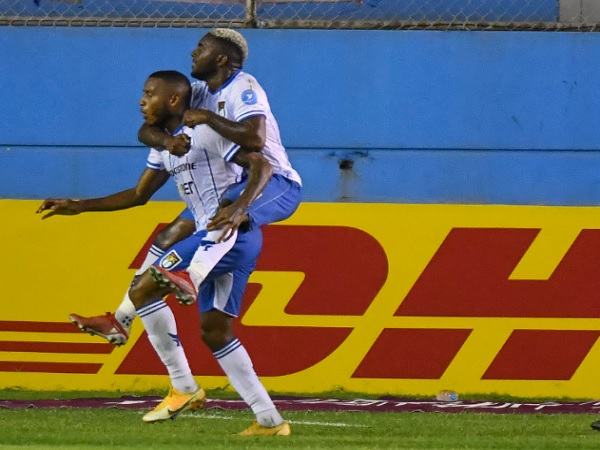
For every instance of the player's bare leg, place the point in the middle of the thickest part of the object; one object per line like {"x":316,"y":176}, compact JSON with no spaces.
{"x":176,"y":231}
{"x":159,"y":323}
{"x":237,"y":365}
{"x":116,"y":327}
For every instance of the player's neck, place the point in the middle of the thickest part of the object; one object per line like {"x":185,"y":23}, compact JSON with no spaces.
{"x":172,"y":124}
{"x":220,"y":78}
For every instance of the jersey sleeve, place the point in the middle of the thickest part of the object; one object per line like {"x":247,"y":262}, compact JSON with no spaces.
{"x":155,"y":160}
{"x":249,"y":100}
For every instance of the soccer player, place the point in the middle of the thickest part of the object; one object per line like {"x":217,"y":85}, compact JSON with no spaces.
{"x":202,"y":175}
{"x":232,"y":103}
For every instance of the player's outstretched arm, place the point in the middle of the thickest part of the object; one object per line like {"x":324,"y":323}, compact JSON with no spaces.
{"x":230,"y":217}
{"x":60,"y":206}
{"x":150,"y":182}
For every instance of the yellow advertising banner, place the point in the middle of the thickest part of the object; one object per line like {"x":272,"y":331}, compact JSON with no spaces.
{"x":374,"y":298}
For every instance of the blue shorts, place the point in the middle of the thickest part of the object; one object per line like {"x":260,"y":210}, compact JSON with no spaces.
{"x":225,"y":285}
{"x":278,"y":201}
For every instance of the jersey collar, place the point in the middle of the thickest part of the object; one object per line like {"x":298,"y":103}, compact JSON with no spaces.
{"x":178,"y":130}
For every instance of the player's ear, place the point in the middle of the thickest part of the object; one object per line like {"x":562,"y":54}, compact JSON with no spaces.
{"x":222,"y":60}
{"x":175,"y":100}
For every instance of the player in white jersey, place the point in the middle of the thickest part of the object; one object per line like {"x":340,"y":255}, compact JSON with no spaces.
{"x":234,"y":104}
{"x":224,"y":99}
{"x":241,"y":97}
{"x":201,"y":175}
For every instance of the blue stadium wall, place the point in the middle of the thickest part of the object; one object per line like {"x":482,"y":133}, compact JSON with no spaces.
{"x":425,"y":116}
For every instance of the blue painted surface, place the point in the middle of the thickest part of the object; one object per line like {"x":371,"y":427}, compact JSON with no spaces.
{"x":442,"y":117}
{"x":329,"y":89}
{"x":386,"y":176}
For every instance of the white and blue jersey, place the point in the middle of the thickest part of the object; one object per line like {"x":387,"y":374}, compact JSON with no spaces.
{"x":203,"y":174}
{"x":240,"y":98}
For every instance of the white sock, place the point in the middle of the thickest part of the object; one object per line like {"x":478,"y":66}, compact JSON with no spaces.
{"x":126,"y":312}
{"x":159,"y":322}
{"x":153,"y":255}
{"x":236,"y":364}
{"x":208,"y":255}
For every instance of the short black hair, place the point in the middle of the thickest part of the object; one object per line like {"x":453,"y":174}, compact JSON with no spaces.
{"x":174,"y":77}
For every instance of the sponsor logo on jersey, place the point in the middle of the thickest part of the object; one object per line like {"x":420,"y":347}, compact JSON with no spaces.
{"x":182,"y":168}
{"x":221,"y":109}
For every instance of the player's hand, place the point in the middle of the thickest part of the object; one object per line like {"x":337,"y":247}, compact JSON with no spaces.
{"x":193,"y":117}
{"x":178,"y":145}
{"x":229,"y":219}
{"x":60,"y":206}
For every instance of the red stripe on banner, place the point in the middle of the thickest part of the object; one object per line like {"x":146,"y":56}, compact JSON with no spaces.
{"x":26,"y":366}
{"x":39,"y":327}
{"x":271,"y":347}
{"x":541,"y":355}
{"x":469,"y":276}
{"x":412,"y":353}
{"x":141,"y":256}
{"x":55,"y":347}
{"x":338,"y":281}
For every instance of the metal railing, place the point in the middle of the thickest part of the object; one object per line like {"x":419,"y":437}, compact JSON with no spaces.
{"x":583,"y":15}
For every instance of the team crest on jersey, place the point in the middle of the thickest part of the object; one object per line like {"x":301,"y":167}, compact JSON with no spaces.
{"x":249,"y":97}
{"x":170,"y":260}
{"x":221,"y":109}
